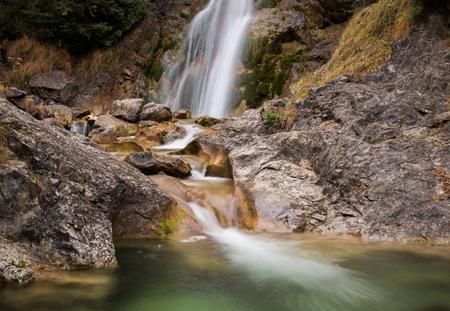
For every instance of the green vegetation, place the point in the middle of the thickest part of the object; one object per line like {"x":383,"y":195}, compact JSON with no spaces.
{"x":365,"y":44}
{"x":271,"y":118}
{"x":269,"y":65}
{"x":76,"y":25}
{"x":268,"y":4}
{"x":167,"y":227}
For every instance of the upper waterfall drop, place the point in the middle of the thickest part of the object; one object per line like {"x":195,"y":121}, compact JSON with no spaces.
{"x":204,"y":81}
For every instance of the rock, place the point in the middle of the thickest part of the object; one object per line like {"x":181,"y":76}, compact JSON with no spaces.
{"x":63,"y":198}
{"x":182,"y":114}
{"x":368,"y":158}
{"x":80,"y":113}
{"x":11,"y":93}
{"x":127,"y":74}
{"x":151,"y":164}
{"x":108,"y":121}
{"x":15,"y":275}
{"x":207,"y":121}
{"x":155,"y":112}
{"x":147,"y":123}
{"x":54,"y":85}
{"x":157,"y":134}
{"x":61,"y":113}
{"x":128,"y":109}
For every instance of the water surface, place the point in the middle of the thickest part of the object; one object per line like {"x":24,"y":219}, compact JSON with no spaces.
{"x":172,"y":275}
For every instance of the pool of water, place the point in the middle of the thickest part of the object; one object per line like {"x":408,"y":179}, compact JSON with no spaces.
{"x":171,"y":275}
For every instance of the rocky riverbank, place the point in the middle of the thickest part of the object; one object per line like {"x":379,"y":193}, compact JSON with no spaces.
{"x":63,"y":198}
{"x":365,"y":156}
{"x":369,"y":158}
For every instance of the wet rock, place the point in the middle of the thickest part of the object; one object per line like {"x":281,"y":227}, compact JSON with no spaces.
{"x":155,"y":112}
{"x":65,"y":197}
{"x":53,"y":85}
{"x":157,"y":134}
{"x":108,"y":121}
{"x":13,"y":274}
{"x":368,"y":158}
{"x":151,"y":164}
{"x":182,"y":114}
{"x":207,"y":121}
{"x":127,"y":109}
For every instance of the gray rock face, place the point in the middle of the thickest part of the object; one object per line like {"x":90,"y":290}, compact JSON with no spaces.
{"x":151,"y":164}
{"x":13,"y":274}
{"x":65,"y":198}
{"x":16,"y":263}
{"x":127,"y":109}
{"x":155,"y":112}
{"x":54,"y":85}
{"x":368,"y":158}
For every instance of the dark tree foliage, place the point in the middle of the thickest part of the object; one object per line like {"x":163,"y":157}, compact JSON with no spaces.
{"x":74,"y":24}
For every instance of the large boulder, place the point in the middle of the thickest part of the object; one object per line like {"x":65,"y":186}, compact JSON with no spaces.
{"x":64,"y":198}
{"x":155,"y":112}
{"x":127,"y":109}
{"x":54,"y":85}
{"x":368,"y":158}
{"x":151,"y":164}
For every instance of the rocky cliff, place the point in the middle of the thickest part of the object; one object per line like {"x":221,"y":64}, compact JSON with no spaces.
{"x":366,"y":157}
{"x":62,"y":198}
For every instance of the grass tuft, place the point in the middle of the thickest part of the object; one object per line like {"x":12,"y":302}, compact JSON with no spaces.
{"x":166,"y":227}
{"x":365,"y":43}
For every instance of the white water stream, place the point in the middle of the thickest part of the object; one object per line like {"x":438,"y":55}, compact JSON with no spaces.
{"x":264,"y":259}
{"x":204,"y":81}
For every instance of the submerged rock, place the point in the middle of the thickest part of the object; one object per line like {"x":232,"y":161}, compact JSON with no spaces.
{"x":151,"y":164}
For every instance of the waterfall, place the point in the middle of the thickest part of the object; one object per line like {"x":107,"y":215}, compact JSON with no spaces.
{"x":205,"y":80}
{"x":80,"y":127}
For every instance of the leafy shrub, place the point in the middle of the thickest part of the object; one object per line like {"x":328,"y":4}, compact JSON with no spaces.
{"x":76,"y":25}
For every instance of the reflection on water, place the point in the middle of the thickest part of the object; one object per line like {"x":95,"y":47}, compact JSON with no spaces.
{"x":172,"y":275}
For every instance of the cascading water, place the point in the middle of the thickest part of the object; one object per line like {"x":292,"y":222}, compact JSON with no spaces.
{"x":265,"y":260}
{"x":204,"y":81}
{"x":80,"y":127}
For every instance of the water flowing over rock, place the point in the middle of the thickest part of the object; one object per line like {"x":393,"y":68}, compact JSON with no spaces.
{"x":369,"y":158}
{"x":204,"y":81}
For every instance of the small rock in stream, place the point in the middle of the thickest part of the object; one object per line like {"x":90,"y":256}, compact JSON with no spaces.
{"x":151,"y":164}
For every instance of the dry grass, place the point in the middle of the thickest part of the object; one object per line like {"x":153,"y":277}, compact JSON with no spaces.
{"x":365,"y":43}
{"x":3,"y":149}
{"x":30,"y":57}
